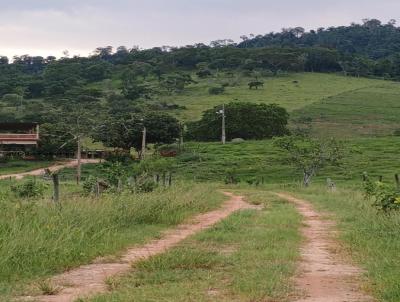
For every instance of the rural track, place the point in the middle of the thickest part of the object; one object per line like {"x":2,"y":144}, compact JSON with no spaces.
{"x":53,"y":168}
{"x":324,"y":276}
{"x":89,"y":280}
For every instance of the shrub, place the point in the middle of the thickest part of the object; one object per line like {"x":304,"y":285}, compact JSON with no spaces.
{"x":113,"y":172}
{"x":386,"y":198}
{"x":216,"y":90}
{"x":89,"y":184}
{"x":231,"y":177}
{"x":29,"y":189}
{"x":245,"y":120}
{"x":204,"y":73}
{"x":12,"y":98}
{"x":145,"y":185}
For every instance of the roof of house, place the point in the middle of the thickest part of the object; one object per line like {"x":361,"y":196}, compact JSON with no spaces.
{"x":17,"y":126}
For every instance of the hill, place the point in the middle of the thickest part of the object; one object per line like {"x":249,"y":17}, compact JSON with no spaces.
{"x":367,"y":111}
{"x":254,"y":161}
{"x":292,"y":91}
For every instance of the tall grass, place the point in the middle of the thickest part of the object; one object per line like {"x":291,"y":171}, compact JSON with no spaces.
{"x":372,"y":238}
{"x":38,"y":239}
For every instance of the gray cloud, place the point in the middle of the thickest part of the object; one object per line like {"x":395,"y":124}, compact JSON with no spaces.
{"x":50,"y":26}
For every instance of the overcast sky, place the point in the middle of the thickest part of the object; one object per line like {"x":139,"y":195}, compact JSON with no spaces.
{"x":44,"y":27}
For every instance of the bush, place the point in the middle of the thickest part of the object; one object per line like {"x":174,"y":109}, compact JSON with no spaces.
{"x":12,"y":98}
{"x":29,"y":189}
{"x":231,"y":177}
{"x":216,"y":90}
{"x":245,"y":120}
{"x":89,"y":184}
{"x":204,"y":73}
{"x":386,"y":198}
{"x":114,"y":172}
{"x":145,"y":184}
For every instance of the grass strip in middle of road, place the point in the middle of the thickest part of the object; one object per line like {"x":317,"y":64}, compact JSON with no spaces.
{"x":247,"y":257}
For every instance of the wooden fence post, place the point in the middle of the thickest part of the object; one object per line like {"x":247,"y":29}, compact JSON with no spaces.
{"x":381,"y":178}
{"x":97,"y":188}
{"x":397,"y":178}
{"x":170,"y":179}
{"x":56,"y":187}
{"x":120,"y":185}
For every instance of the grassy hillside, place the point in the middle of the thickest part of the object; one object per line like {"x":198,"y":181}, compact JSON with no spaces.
{"x":293,"y":91}
{"x":372,"y":110}
{"x":256,"y":159}
{"x":336,"y":105}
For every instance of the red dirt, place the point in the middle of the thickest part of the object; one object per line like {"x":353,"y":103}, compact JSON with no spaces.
{"x":54,"y":168}
{"x":91,"y":279}
{"x":324,"y":276}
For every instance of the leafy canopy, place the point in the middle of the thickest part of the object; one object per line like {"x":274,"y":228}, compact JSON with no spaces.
{"x":243,"y":120}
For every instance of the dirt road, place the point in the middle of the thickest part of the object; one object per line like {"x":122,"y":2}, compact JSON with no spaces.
{"x":90,"y":279}
{"x":57,"y":167}
{"x":324,"y":276}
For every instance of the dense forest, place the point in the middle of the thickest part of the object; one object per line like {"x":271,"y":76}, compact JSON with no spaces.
{"x":34,"y":88}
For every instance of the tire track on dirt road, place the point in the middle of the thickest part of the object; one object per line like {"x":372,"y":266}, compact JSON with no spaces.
{"x":323,"y":276}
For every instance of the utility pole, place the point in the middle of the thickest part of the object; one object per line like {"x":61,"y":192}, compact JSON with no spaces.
{"x":223,"y":135}
{"x":143,"y":152}
{"x":181,"y":137}
{"x":79,"y":161}
{"x":223,"y":125}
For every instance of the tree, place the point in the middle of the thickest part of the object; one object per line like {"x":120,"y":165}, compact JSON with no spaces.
{"x":104,"y":53}
{"x":3,"y":60}
{"x":97,"y":72}
{"x":79,"y":121}
{"x":243,"y":120}
{"x":176,"y":82}
{"x":125,"y":132}
{"x":55,"y":138}
{"x":134,"y":90}
{"x":35,"y":89}
{"x":310,"y":155}
{"x":141,"y":69}
{"x":277,"y":60}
